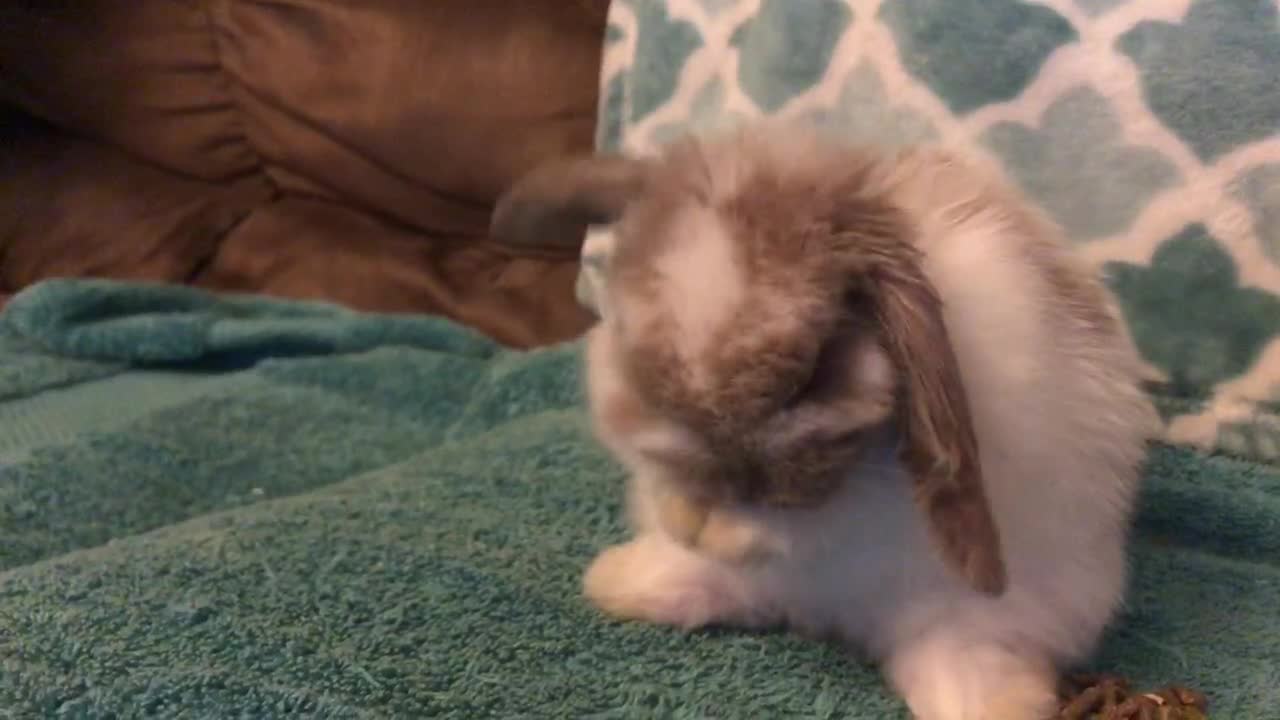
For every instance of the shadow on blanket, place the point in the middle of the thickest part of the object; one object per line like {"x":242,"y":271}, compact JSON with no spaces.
{"x":244,"y":507}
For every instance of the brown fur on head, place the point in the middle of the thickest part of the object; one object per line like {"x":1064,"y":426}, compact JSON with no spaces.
{"x":769,"y":299}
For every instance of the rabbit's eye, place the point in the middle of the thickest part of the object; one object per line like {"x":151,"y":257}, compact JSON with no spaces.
{"x":834,"y":374}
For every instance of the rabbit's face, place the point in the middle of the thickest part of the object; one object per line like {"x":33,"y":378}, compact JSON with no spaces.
{"x":794,"y":451}
{"x":736,"y":318}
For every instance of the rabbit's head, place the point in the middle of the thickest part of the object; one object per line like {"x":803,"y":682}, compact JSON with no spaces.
{"x":768,"y":308}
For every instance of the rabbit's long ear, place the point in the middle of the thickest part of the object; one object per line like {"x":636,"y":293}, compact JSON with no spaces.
{"x":941,"y":446}
{"x":552,"y":205}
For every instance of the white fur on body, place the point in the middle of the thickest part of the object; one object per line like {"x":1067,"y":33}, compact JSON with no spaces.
{"x":1061,"y":424}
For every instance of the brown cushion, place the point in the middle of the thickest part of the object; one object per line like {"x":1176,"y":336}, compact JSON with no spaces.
{"x":314,"y":249}
{"x":420,"y":110}
{"x":75,"y":208}
{"x":142,"y":74}
{"x":72,"y":208}
{"x":356,"y":148}
{"x":423,"y":111}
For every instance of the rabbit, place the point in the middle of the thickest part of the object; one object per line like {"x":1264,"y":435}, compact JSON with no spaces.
{"x":861,"y":393}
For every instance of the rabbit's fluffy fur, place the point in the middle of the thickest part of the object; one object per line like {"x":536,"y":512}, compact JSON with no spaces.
{"x":1051,"y":378}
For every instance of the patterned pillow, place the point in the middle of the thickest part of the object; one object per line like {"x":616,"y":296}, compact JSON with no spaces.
{"x":1150,"y":129}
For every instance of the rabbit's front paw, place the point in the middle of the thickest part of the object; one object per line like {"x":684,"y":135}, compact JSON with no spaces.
{"x":682,"y":517}
{"x":945,"y":677}
{"x":734,"y":539}
{"x":653,"y":579}
{"x":720,"y":532}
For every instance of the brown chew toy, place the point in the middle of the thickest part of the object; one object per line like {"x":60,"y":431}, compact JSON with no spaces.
{"x":1107,"y":697}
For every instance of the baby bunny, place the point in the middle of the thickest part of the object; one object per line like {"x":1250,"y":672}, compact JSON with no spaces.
{"x":863,"y":394}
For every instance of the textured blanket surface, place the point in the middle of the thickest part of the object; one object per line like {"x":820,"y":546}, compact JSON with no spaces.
{"x":1148,"y":129}
{"x":241,"y":508}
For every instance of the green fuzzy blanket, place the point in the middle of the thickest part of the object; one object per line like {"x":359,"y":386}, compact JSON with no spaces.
{"x":242,"y":508}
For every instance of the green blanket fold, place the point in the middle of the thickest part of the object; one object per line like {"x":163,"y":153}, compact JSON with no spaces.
{"x":226,"y":508}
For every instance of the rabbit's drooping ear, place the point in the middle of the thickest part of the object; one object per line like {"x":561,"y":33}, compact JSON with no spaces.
{"x":941,"y":447}
{"x":552,"y":205}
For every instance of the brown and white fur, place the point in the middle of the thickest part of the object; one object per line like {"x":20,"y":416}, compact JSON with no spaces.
{"x":861,"y":394}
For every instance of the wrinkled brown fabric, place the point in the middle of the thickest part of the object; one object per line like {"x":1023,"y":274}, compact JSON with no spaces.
{"x":72,"y":208}
{"x":375,"y":135}
{"x":424,"y":111}
{"x":140,"y":74}
{"x":313,"y":249}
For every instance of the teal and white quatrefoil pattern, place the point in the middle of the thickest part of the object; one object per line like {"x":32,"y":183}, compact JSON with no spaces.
{"x":1149,"y":129}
